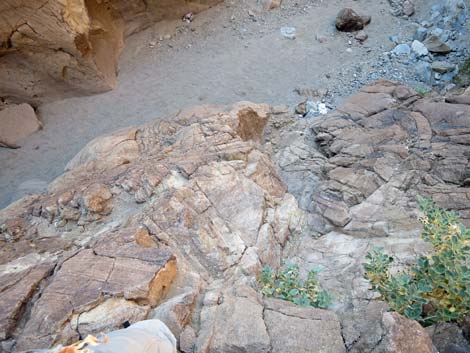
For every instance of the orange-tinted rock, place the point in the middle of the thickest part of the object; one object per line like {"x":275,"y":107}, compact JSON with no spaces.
{"x":402,"y":335}
{"x":55,"y":49}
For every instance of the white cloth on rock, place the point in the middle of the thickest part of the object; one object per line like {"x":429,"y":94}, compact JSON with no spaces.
{"x":149,"y":336}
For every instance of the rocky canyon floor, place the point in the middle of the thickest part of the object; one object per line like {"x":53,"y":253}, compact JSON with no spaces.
{"x":227,"y":54}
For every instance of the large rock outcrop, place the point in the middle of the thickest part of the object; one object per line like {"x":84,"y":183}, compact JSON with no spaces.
{"x":57,"y":48}
{"x":358,"y":172}
{"x":173,"y":221}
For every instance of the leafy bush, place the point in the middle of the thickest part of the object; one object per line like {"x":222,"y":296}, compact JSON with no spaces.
{"x":465,"y":68}
{"x":437,"y":287}
{"x":287,"y":285}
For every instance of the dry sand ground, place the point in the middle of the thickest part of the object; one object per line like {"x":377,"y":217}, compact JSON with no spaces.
{"x":225,"y":55}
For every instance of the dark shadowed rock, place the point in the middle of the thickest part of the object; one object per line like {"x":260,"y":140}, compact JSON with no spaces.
{"x":435,"y":45}
{"x":402,"y":335}
{"x":349,"y":20}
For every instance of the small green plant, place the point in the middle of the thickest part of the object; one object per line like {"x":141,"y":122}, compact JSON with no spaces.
{"x":437,"y":287}
{"x":465,"y":68}
{"x":421,"y":91}
{"x":287,"y":285}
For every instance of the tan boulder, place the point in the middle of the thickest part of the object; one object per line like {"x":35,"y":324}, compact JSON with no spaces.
{"x":16,"y":123}
{"x":81,"y":285}
{"x":194,"y":188}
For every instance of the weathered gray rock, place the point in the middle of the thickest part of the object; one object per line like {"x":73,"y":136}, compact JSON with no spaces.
{"x":436,"y":45}
{"x":402,"y":7}
{"x":234,"y":325}
{"x":442,"y":67}
{"x":402,"y":49}
{"x":419,"y":48}
{"x":448,"y":338}
{"x":366,"y":164}
{"x":408,"y":8}
{"x":421,"y":33}
{"x":299,"y":329}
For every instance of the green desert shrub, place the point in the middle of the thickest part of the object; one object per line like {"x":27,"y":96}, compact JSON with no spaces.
{"x":286,"y":284}
{"x":437,"y":287}
{"x":465,"y":68}
{"x":421,"y":91}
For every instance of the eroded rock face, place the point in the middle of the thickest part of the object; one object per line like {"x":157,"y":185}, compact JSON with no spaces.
{"x":51,"y":49}
{"x":358,"y":172}
{"x":302,"y":322}
{"x":403,"y":335}
{"x":174,"y":220}
{"x":188,"y":200}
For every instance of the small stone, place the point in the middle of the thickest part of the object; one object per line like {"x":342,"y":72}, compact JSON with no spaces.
{"x":408,"y":8}
{"x":16,"y":123}
{"x":188,"y":18}
{"x":321,"y":38}
{"x":361,"y":36}
{"x":395,"y":39}
{"x":322,"y":92}
{"x":349,"y":50}
{"x":442,"y":67}
{"x":349,"y":20}
{"x":421,"y":33}
{"x":436,"y":45}
{"x":402,"y":49}
{"x":187,"y":340}
{"x":288,"y":32}
{"x":426,"y":24}
{"x":423,"y":71}
{"x":448,"y":76}
{"x":271,"y":4}
{"x":419,"y":48}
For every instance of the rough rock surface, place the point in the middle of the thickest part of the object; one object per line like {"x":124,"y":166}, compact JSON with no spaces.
{"x":402,"y":7}
{"x":402,"y":335}
{"x":16,"y":123}
{"x":302,"y":323}
{"x":204,"y":188}
{"x":349,"y":20}
{"x":101,"y":247}
{"x":358,"y":172}
{"x":51,"y":49}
